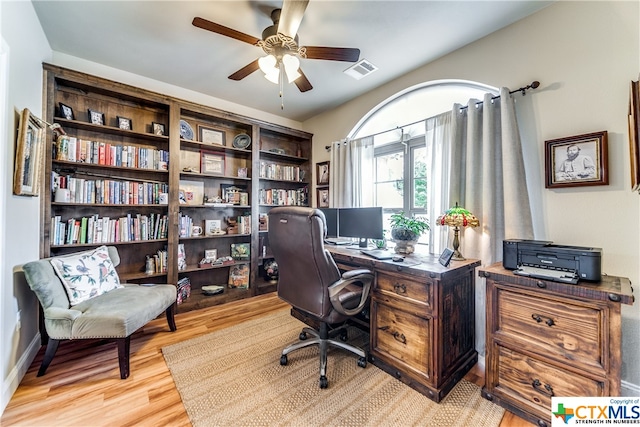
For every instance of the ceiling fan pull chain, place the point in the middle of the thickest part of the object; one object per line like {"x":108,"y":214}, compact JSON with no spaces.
{"x":281,"y":76}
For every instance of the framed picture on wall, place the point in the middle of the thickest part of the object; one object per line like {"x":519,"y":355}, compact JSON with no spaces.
{"x":634,"y":134}
{"x":29,"y":149}
{"x":323,"y":198}
{"x":322,"y":173}
{"x":577,"y":161}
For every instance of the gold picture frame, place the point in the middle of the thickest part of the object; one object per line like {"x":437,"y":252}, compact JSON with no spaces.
{"x":634,"y":134}
{"x":211,"y":163}
{"x":211,"y":136}
{"x":29,"y":151}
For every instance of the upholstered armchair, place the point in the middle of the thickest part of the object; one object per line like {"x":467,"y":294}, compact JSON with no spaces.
{"x":310,"y":281}
{"x":82,"y":298}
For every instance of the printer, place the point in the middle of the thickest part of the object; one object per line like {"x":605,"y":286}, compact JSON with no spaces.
{"x":559,"y":263}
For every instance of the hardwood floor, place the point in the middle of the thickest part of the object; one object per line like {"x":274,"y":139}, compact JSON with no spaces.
{"x":83,"y":387}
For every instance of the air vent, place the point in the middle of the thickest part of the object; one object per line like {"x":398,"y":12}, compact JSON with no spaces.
{"x":360,"y":69}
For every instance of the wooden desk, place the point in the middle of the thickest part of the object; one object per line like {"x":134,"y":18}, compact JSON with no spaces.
{"x":422,"y":318}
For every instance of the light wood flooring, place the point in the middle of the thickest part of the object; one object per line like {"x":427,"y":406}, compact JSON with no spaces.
{"x":82,"y":386}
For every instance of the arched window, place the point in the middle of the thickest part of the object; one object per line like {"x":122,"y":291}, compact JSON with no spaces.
{"x":400,"y":157}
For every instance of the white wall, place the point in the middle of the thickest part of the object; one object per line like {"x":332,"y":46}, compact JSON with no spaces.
{"x":584,"y":54}
{"x":24,"y":47}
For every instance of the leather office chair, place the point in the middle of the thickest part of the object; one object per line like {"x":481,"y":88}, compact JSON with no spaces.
{"x":310,"y":281}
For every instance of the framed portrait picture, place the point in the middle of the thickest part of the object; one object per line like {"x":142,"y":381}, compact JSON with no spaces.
{"x":124,"y":123}
{"x":634,"y":134}
{"x":322,"y":173}
{"x":211,"y":136}
{"x":323,"y":198}
{"x":29,"y":149}
{"x":577,"y":161}
{"x":96,"y":117}
{"x":211,"y":163}
{"x":157,"y":128}
{"x":66,"y":111}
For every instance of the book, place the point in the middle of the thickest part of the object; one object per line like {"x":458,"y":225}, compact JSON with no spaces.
{"x":239,"y":276}
{"x":240,"y":251}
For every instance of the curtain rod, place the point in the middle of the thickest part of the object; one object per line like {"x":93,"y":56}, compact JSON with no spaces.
{"x":534,"y":84}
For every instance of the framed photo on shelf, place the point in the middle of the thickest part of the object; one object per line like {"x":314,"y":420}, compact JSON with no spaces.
{"x":634,"y":134}
{"x":157,"y":128}
{"x":66,"y":111}
{"x":212,"y":227}
{"x":322,"y":173}
{"x":211,"y":254}
{"x":191,"y":192}
{"x":323,"y":198}
{"x":211,"y":163}
{"x":577,"y":161}
{"x":96,"y":117}
{"x":29,"y":149}
{"x":211,"y":136}
{"x":124,"y":123}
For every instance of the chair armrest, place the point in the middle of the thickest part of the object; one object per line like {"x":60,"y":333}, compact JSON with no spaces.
{"x":362,"y":277}
{"x":58,"y":313}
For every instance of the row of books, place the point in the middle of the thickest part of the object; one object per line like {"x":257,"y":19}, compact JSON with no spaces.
{"x":160,"y":259}
{"x":72,"y":149}
{"x":94,"y":229}
{"x":283,"y":197}
{"x":276,"y":171}
{"x":110,"y":191}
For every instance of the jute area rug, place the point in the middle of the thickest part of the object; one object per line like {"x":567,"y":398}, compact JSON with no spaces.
{"x":233,"y":377}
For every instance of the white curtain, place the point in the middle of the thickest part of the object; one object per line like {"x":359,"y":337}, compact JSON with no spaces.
{"x":438,"y":139}
{"x":351,"y":169}
{"x":480,"y":166}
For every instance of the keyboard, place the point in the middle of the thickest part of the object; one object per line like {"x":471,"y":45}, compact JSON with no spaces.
{"x":379,"y":254}
{"x":338,"y":240}
{"x":547,"y":274}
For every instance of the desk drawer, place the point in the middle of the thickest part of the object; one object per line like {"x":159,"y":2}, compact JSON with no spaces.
{"x":398,"y":333}
{"x":557,"y":328}
{"x":532,"y":382}
{"x":402,"y":286}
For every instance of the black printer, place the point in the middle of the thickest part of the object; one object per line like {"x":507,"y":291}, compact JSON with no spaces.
{"x":544,"y":260}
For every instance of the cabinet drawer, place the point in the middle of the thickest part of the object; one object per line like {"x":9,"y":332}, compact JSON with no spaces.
{"x":533,"y":382}
{"x":402,"y":335}
{"x":401,"y":286}
{"x":555,"y":328}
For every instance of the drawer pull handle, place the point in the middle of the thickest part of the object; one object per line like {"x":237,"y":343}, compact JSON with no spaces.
{"x":539,"y":318}
{"x":548,"y":390}
{"x":400,"y":288}
{"x":400,"y":337}
{"x":395,"y":334}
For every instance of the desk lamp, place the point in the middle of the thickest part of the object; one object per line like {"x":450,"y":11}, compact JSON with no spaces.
{"x":457,"y":217}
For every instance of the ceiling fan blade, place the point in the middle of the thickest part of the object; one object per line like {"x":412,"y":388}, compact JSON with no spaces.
{"x":302,"y":82}
{"x":225,"y":31}
{"x":291,"y":16}
{"x":346,"y":54}
{"x":245,"y":71}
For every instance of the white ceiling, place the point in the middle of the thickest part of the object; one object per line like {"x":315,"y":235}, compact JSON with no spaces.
{"x":156,"y":39}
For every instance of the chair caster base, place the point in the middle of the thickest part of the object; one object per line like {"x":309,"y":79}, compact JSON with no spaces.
{"x":362,"y":362}
{"x":324,"y":383}
{"x":283,"y":360}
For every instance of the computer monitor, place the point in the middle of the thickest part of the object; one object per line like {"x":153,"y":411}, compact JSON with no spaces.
{"x":331,"y":217}
{"x":363,"y":223}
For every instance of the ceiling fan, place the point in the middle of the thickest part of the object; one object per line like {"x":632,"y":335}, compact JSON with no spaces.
{"x":280,"y":43}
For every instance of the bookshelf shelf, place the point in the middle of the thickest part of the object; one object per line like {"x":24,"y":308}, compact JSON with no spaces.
{"x":159,"y":172}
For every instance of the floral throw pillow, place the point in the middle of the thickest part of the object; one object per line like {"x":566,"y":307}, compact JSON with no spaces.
{"x":87,"y":274}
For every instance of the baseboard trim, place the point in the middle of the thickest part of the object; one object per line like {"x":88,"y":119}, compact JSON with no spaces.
{"x":14,"y":378}
{"x":629,"y":390}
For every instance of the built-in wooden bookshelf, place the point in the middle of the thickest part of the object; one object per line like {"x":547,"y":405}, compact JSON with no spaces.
{"x":151,"y":184}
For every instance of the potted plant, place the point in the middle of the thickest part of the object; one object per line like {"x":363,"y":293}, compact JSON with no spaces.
{"x":405,"y":232}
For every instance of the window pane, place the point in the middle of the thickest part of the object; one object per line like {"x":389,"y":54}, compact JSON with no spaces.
{"x":419,"y":200}
{"x":390,"y":167}
{"x":389,"y":194}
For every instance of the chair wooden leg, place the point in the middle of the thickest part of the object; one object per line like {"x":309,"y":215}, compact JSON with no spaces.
{"x":52,"y":347}
{"x":123,"y":356}
{"x":171,"y":311}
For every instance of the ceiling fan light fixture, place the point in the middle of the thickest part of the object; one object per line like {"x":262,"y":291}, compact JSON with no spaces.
{"x":273,"y":76}
{"x":268,"y":64}
{"x":291,"y":65}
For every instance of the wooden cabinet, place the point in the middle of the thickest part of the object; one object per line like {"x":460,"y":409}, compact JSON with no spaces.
{"x":548,"y":339}
{"x":146,"y":179}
